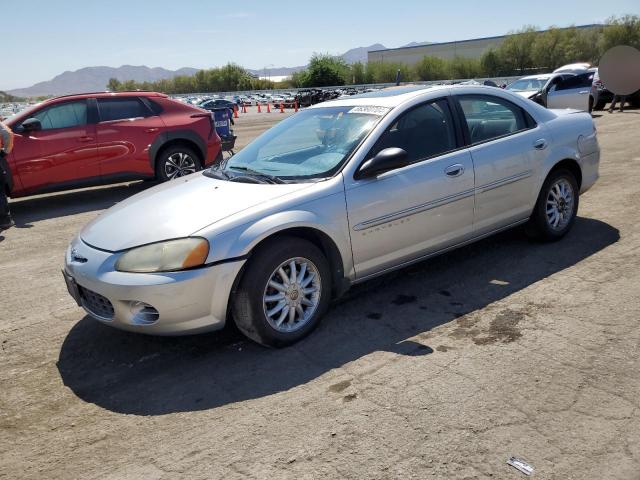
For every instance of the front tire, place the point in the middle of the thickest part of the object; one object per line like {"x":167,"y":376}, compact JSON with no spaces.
{"x":177,"y":161}
{"x":556,"y":208}
{"x":283,"y":293}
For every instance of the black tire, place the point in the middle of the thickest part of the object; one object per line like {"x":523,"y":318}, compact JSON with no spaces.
{"x":171,"y":154}
{"x":539,"y":226}
{"x":600,"y":105}
{"x":247,"y":302}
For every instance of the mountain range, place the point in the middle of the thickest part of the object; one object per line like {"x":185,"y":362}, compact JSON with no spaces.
{"x":93,"y":79}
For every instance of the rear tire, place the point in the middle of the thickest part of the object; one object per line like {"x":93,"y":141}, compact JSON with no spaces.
{"x":556,"y":208}
{"x":177,"y":161}
{"x":266,"y":297}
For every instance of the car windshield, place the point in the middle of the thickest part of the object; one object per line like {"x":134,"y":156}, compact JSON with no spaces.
{"x":313,"y":143}
{"x":526,"y":84}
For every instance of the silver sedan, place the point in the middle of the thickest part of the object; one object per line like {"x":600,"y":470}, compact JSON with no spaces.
{"x":332,"y":196}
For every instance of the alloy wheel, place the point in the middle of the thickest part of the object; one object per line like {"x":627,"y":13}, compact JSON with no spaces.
{"x":179,"y":164}
{"x":559,"y":205}
{"x":292,"y":294}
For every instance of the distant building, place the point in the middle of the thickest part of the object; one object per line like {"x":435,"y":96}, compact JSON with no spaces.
{"x":473,"y":48}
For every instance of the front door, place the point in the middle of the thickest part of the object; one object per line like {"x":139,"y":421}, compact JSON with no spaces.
{"x":126,"y":129}
{"x":572,"y":92}
{"x":404,"y":214}
{"x":62,"y":153}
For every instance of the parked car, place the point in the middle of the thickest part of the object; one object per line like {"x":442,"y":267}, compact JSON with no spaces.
{"x":100,"y":138}
{"x":533,"y":86}
{"x":579,"y":67}
{"x":557,"y":90}
{"x":335,"y":195}
{"x":217,"y":103}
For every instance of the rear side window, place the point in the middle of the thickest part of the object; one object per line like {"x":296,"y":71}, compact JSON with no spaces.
{"x":491,"y":117}
{"x":121,"y":108}
{"x":65,"y":115}
{"x":584,"y":80}
{"x":423,"y":132}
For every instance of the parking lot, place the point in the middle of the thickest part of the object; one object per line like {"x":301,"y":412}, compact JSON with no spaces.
{"x":444,"y":369}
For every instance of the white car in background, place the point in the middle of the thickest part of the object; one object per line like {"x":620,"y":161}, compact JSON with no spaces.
{"x":532,"y":85}
{"x":568,"y":88}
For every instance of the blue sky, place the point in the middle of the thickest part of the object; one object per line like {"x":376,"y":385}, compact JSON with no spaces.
{"x":44,"y":38}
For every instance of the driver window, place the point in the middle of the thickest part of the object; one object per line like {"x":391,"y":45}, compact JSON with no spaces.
{"x":423,"y":132}
{"x":66,"y":115}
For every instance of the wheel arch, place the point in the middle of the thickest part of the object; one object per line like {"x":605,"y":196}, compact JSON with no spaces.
{"x":321,"y":239}
{"x":178,"y":137}
{"x":570,"y":164}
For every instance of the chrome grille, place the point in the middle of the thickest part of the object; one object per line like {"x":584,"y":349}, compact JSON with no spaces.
{"x":96,"y":304}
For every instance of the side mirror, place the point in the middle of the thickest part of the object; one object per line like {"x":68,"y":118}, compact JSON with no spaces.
{"x":31,"y":125}
{"x":386,"y":160}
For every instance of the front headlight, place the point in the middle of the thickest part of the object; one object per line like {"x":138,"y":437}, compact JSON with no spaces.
{"x":169,"y":256}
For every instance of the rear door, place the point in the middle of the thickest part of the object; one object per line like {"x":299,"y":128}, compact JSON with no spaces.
{"x":126,"y":129}
{"x":507,"y":148}
{"x":572,"y":92}
{"x":62,"y":153}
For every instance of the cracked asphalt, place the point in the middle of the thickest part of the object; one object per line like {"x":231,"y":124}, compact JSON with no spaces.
{"x":441,"y":370}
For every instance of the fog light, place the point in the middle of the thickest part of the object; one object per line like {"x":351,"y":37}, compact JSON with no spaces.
{"x":143,"y":313}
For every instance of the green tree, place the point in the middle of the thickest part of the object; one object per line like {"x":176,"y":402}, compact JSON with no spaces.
{"x":114,"y":85}
{"x":325,"y":70}
{"x":621,"y":31}
{"x":492,"y":64}
{"x":385,"y":72}
{"x":549,"y":49}
{"x":516,"y":50}
{"x":358,"y":73}
{"x":432,"y":68}
{"x":463,"y":67}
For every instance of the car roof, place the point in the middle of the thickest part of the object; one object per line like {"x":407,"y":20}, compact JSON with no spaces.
{"x":386,"y":97}
{"x":138,"y":93}
{"x":541,"y":76}
{"x":395,"y":96}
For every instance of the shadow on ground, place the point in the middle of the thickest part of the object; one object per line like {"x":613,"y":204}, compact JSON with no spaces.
{"x":27,"y":211}
{"x":142,"y":375}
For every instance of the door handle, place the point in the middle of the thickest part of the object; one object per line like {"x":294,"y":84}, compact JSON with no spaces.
{"x":583,"y":92}
{"x":540,"y":144}
{"x":85,"y":139}
{"x":151,"y":130}
{"x":454,"y":170}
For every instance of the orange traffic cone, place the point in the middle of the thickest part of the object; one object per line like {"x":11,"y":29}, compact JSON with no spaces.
{"x":259,"y":110}
{"x":244,"y":107}
{"x":281,"y":107}
{"x":268,"y":107}
{"x":235,"y":111}
{"x":295,"y":106}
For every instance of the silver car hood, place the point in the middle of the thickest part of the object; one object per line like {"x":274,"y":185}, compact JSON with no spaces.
{"x":177,"y":209}
{"x":527,"y":93}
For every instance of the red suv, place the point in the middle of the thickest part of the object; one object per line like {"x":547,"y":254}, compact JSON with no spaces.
{"x":100,"y":138}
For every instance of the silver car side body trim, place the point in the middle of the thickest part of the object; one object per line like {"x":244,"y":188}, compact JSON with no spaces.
{"x":374,"y":222}
{"x":504,"y":181}
{"x":439,"y":252}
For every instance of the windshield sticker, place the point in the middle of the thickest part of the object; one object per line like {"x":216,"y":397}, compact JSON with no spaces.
{"x":369,"y":110}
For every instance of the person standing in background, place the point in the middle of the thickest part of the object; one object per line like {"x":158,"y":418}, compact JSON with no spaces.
{"x":6,"y":145}
{"x":617,"y":98}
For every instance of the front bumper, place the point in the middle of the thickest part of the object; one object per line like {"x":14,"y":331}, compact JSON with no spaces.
{"x":186,"y":302}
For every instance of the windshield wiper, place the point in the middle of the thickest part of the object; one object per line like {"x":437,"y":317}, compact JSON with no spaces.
{"x":256,"y":173}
